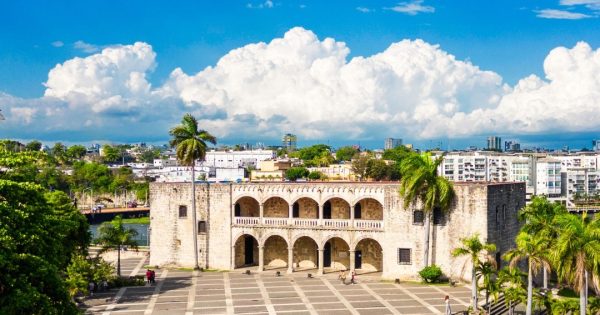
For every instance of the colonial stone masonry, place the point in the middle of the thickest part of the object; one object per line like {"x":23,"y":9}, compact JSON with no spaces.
{"x":325,"y":226}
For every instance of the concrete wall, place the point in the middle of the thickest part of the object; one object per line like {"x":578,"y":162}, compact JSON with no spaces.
{"x":473,"y":212}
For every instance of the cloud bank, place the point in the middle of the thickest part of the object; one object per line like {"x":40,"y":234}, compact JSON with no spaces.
{"x":309,"y":86}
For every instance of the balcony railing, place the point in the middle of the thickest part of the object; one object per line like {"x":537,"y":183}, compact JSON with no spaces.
{"x":247,"y":220}
{"x":311,"y":223}
{"x":305,"y":222}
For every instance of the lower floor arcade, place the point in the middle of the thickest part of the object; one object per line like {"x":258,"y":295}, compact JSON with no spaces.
{"x":306,"y":253}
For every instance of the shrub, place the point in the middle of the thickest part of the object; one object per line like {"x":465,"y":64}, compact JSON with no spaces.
{"x":431,"y":274}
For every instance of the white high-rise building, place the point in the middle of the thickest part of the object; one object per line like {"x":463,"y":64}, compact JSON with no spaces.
{"x":235,"y":159}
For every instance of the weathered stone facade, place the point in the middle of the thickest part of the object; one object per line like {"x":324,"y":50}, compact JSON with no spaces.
{"x":326,"y":226}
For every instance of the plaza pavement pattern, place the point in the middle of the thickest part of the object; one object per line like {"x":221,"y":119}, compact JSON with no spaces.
{"x":188,"y":292}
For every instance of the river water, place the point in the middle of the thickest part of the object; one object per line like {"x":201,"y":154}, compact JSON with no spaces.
{"x":142,"y":238}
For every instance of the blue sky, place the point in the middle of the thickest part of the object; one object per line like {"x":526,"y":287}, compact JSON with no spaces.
{"x":510,"y":38}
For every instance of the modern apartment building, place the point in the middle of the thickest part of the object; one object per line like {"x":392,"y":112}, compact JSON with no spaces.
{"x":391,"y":143}
{"x":494,"y":143}
{"x":235,"y":159}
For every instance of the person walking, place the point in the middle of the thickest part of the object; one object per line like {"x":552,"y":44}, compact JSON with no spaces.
{"x":148,"y":276}
{"x":153,"y":276}
{"x":353,"y":277}
{"x":91,"y":287}
{"x":448,"y":308}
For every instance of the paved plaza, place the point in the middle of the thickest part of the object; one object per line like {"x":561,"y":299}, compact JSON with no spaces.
{"x":188,"y":292}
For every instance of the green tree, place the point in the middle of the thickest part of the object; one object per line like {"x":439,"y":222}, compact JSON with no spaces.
{"x":111,"y":153}
{"x":33,"y":254}
{"x":486,"y":271}
{"x":114,"y":235}
{"x":93,"y":175}
{"x":511,"y":284}
{"x":475,"y":249}
{"x":76,"y":152}
{"x":82,"y":270}
{"x":360,"y":165}
{"x":422,"y":184}
{"x":576,"y":252}
{"x":538,"y":219}
{"x":148,"y":156}
{"x":315,"y":175}
{"x":533,"y":249}
{"x":296,"y":173}
{"x":190,"y":142}
{"x":313,"y":155}
{"x":377,"y":169}
{"x":396,"y":154}
{"x":33,"y":146}
{"x":345,"y":153}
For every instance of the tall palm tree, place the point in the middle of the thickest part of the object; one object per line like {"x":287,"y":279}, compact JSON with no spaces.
{"x":476,"y":249}
{"x":421,"y":183}
{"x":113,"y":235}
{"x":511,"y":283}
{"x":576,"y":253}
{"x":534,"y":249}
{"x":191,"y":146}
{"x":538,"y":219}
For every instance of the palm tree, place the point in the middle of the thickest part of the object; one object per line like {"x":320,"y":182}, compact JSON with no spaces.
{"x":114,"y":234}
{"x":473,"y":247}
{"x":511,"y":283}
{"x":534,"y":249}
{"x":576,"y":253}
{"x":191,"y":146}
{"x":538,"y":217}
{"x":421,"y":182}
{"x":485,"y":271}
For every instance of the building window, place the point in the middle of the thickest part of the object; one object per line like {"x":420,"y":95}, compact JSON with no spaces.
{"x":418,"y":217}
{"x":183,"y":211}
{"x":201,"y":227}
{"x":438,"y":216}
{"x":404,"y":256}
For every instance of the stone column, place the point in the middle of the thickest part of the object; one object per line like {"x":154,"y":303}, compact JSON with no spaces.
{"x":352,"y":253}
{"x":320,"y":214}
{"x":321,"y":255}
{"x":261,"y":212}
{"x":261,"y":258}
{"x":290,"y":266}
{"x":290,"y":214}
{"x":233,"y":257}
{"x":352,"y":215}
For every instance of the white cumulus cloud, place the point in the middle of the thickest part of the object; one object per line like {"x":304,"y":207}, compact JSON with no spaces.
{"x":561,"y":14}
{"x":412,"y":8}
{"x":302,"y":84}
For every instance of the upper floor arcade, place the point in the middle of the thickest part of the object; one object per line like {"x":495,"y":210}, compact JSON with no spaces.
{"x":334,"y":211}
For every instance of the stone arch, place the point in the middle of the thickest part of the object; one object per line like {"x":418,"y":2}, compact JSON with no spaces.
{"x":266,"y":236}
{"x":305,"y":252}
{"x":245,"y":250}
{"x":246,"y":206}
{"x":336,"y":253}
{"x":306,"y":207}
{"x":276,"y":207}
{"x":368,"y":208}
{"x":369,"y":255}
{"x":340,"y":208}
{"x":275,"y":249}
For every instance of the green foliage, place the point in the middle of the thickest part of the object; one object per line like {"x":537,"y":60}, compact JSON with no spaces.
{"x":33,"y":237}
{"x":316,"y":175}
{"x":111,"y":153}
{"x":190,"y":141}
{"x":11,"y":145}
{"x":114,"y":235}
{"x":316,"y":155}
{"x":431,"y":274}
{"x":82,"y":270}
{"x":33,"y":146}
{"x":360,"y":165}
{"x":281,"y":152}
{"x":76,"y":151}
{"x":397,"y":154}
{"x":345,"y":153}
{"x":295,"y":173}
{"x":564,"y":306}
{"x":149,"y":155}
{"x":94,"y":175}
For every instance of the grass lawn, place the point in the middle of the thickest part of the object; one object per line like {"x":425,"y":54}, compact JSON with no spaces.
{"x":141,"y":220}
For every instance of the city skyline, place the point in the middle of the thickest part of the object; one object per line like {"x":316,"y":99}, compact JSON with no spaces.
{"x":526,"y":73}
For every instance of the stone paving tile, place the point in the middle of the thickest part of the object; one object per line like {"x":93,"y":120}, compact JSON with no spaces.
{"x":414,"y":310}
{"x":366,"y":304}
{"x":374,"y":311}
{"x":248,"y":302}
{"x":328,"y":306}
{"x":214,"y":311}
{"x":209,"y":303}
{"x":290,"y":307}
{"x":250,"y":309}
{"x":405,"y":303}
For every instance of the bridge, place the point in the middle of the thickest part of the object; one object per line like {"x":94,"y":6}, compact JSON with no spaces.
{"x":581,"y":209}
{"x":108,"y":214}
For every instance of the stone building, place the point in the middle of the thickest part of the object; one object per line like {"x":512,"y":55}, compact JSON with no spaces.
{"x":325,"y":226}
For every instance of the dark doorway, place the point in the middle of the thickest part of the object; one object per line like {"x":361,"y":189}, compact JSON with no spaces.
{"x":327,"y":210}
{"x":327,"y":255}
{"x":357,"y":211}
{"x":238,"y":210}
{"x":248,"y":250}
{"x":358,"y":259}
{"x":296,"y":210}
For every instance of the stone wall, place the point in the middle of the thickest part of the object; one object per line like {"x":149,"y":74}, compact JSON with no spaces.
{"x":276,"y":207}
{"x":473,"y":212}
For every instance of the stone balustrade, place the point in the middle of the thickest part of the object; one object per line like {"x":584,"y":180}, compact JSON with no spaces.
{"x":311,"y":223}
